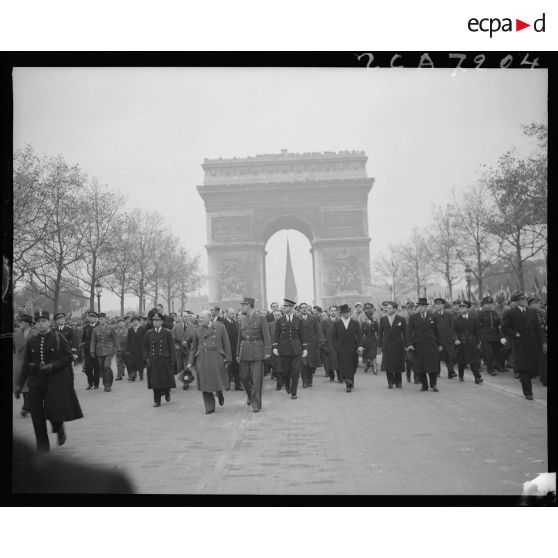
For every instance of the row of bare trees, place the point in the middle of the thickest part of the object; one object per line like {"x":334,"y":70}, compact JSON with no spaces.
{"x":71,"y":234}
{"x":499,"y":222}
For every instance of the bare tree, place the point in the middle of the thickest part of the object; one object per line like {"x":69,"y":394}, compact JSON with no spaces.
{"x":442,"y":246}
{"x":388,"y":270}
{"x":414,"y":254}
{"x":189,"y":275}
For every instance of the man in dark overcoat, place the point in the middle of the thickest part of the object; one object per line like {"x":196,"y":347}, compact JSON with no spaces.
{"x":289,"y":344}
{"x":467,"y":341}
{"x":522,"y":327}
{"x":331,"y":361}
{"x":210,"y":353}
{"x":158,"y":352}
{"x":233,"y":329}
{"x":392,"y":338}
{"x":369,"y":338}
{"x":136,"y":359}
{"x":535,"y":304}
{"x":347,"y":338}
{"x":490,"y":335}
{"x":424,"y":342}
{"x":444,"y":320}
{"x":46,"y":366}
{"x":411,"y":309}
{"x":314,"y":339}
{"x":253,"y":347}
{"x":68,"y":333}
{"x":275,"y":360}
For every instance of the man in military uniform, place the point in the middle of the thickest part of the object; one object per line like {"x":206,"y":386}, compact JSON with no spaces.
{"x":90,"y":362}
{"x":490,"y":335}
{"x":104,"y":344}
{"x":290,"y":346}
{"x":444,"y":323}
{"x":232,"y":326}
{"x":183,"y":335}
{"x":158,"y":352}
{"x":466,"y":331}
{"x":422,"y":334}
{"x":521,"y":325}
{"x":254,"y":346}
{"x":46,"y":366}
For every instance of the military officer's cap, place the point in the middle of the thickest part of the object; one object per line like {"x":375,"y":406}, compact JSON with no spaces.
{"x":248,"y":300}
{"x":42,"y":314}
{"x":58,"y":314}
{"x":138,"y":318}
{"x":439,"y":301}
{"x":344,"y":308}
{"x":158,"y":316}
{"x":369,"y":304}
{"x":288,"y":302}
{"x":464,"y":303}
{"x":517,"y":296}
{"x":102,"y":315}
{"x":173,"y":314}
{"x":92,"y":314}
{"x":487,"y":300}
{"x":422,"y":301}
{"x":121,"y":319}
{"x":533,"y":299}
{"x":25,"y":318}
{"x":456,"y":302}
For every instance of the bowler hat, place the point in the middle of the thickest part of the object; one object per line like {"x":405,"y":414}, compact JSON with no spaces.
{"x":439,"y":301}
{"x":422,"y":301}
{"x":288,"y":302}
{"x":344,"y":308}
{"x":25,"y":318}
{"x":157,"y":316}
{"x":57,"y":315}
{"x":515,"y":297}
{"x":487,"y":300}
{"x":464,"y":303}
{"x":248,"y":300}
{"x":42,"y":314}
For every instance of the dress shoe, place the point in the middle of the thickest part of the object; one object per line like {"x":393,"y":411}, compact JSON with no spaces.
{"x":288,"y":389}
{"x":332,"y":379}
{"x":304,"y":384}
{"x":349,"y":389}
{"x":516,"y":375}
{"x":117,"y":379}
{"x":248,"y":402}
{"x":108,"y":388}
{"x":398,"y":386}
{"x":479,"y":380}
{"x":277,"y":388}
{"x":95,"y":387}
{"x":461,"y":380}
{"x":423,"y":388}
{"x":89,"y":387}
{"x":61,"y":436}
{"x":209,"y":412}
{"x":221,"y":399}
{"x":257,"y":410}
{"x":23,"y":413}
{"x":452,"y":376}
{"x":238,"y":389}
{"x":435,"y":389}
{"x":131,"y":379}
{"x":157,"y":404}
{"x":417,"y":382}
{"x":390,"y":386}
{"x":492,"y":373}
{"x":167,"y":396}
{"x":374,"y":372}
{"x":293,"y":396}
{"x":340,"y":380}
{"x":529,"y":397}
{"x":408,"y":380}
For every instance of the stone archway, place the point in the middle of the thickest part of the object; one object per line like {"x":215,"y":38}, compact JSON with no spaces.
{"x":322,"y":195}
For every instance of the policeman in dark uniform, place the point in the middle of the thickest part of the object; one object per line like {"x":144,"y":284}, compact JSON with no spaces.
{"x":254,"y":346}
{"x":490,"y":335}
{"x":289,"y":345}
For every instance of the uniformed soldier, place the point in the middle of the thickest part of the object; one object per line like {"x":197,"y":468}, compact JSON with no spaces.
{"x":104,"y":344}
{"x":254,"y":346}
{"x":158,"y":352}
{"x":490,"y":335}
{"x":90,"y":362}
{"x":290,"y":346}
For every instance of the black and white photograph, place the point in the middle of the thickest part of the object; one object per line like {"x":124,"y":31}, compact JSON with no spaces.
{"x":274,"y":280}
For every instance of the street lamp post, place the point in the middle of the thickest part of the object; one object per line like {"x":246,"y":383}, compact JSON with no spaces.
{"x":468,"y":274}
{"x":99,"y":291}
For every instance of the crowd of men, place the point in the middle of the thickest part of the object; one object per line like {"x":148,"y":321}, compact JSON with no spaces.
{"x":233,"y":348}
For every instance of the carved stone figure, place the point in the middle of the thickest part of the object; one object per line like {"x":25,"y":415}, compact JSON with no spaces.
{"x":231,"y":282}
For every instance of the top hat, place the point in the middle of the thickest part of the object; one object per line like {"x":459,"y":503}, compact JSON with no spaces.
{"x":58,"y":314}
{"x":517,"y":296}
{"x":42,"y":314}
{"x":487,"y":300}
{"x":344,"y":308}
{"x":248,"y":300}
{"x":157,"y":316}
{"x":439,"y":301}
{"x":422,"y":301}
{"x":464,"y":303}
{"x":25,"y":318}
{"x":288,"y":302}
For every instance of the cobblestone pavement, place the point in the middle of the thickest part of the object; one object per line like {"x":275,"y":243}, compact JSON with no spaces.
{"x":465,"y":440}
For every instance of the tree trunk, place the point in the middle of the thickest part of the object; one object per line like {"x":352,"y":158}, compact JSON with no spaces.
{"x":122,"y":301}
{"x":479,"y":271}
{"x":519,"y":262}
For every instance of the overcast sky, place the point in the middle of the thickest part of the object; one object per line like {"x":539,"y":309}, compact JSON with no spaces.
{"x":146,"y":131}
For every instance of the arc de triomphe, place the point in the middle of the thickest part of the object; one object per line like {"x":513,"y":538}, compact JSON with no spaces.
{"x":322,"y":195}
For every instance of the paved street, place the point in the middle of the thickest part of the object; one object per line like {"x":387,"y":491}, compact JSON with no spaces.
{"x":465,"y":440}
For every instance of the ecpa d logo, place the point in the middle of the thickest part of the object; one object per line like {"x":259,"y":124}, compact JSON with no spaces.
{"x":494,"y":24}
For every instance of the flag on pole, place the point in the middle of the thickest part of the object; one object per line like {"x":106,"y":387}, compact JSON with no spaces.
{"x":290,"y":284}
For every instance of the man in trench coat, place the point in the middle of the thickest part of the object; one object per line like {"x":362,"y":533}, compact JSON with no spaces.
{"x":347,"y":338}
{"x":467,"y":340}
{"x":424,"y":343}
{"x":392,"y":339}
{"x":46,"y":366}
{"x":209,"y":353}
{"x":522,"y":326}
{"x":158,"y":352}
{"x":314,"y":338}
